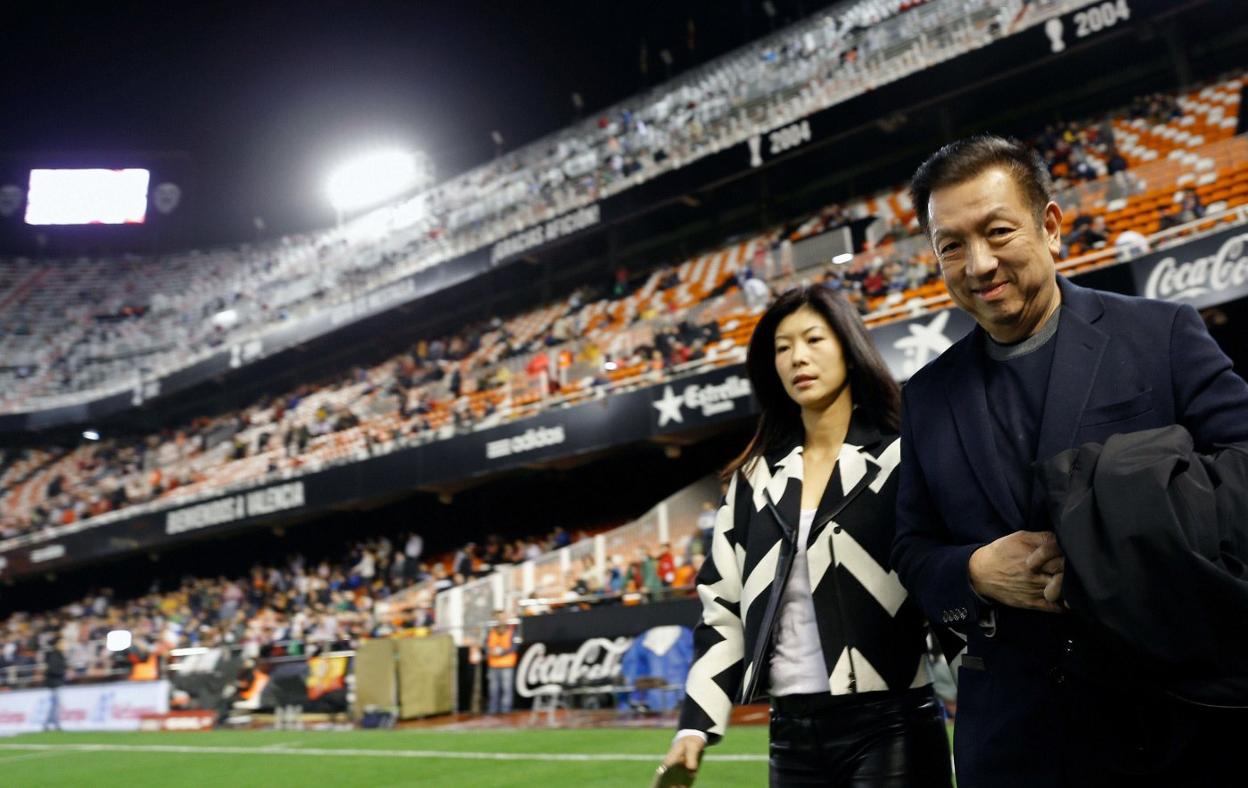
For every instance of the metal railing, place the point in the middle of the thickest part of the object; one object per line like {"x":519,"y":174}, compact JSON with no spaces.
{"x":548,"y":581}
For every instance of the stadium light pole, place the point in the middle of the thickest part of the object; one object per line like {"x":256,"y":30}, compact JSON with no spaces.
{"x":373,"y":178}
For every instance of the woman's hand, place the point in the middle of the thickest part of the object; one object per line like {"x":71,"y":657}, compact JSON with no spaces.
{"x":686,"y":751}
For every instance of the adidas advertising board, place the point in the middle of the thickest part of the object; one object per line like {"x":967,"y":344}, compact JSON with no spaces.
{"x":527,"y":441}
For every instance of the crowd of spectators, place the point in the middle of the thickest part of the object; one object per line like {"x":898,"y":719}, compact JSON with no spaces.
{"x":651,"y":573}
{"x":556,"y":349}
{"x":93,"y":326}
{"x":379,"y":588}
{"x":436,"y":387}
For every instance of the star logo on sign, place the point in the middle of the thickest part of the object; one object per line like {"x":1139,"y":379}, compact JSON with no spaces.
{"x":669,"y":407}
{"x":923,"y":343}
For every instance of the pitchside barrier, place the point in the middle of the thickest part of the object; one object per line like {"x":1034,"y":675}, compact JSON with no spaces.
{"x":407,"y":677}
{"x":316,"y":683}
{"x":118,"y":706}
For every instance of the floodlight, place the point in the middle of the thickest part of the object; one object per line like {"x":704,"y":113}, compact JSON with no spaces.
{"x":91,"y":435}
{"x":118,"y":640}
{"x":371,"y":179}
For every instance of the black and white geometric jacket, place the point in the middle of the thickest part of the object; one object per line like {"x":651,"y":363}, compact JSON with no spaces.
{"x":871,"y":631}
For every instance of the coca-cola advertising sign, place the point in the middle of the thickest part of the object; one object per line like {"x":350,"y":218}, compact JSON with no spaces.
{"x":1203,"y":273}
{"x":544,"y":669}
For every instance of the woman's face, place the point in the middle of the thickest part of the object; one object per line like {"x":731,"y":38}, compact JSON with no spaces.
{"x":809,"y":359}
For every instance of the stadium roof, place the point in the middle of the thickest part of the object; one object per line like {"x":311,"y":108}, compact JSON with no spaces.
{"x":265,"y":97}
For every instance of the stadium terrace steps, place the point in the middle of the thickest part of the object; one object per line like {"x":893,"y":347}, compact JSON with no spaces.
{"x":1217,"y":171}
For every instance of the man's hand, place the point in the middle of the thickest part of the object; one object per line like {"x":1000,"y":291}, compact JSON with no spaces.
{"x":1053,"y":590}
{"x":686,"y":750}
{"x":1020,"y":570}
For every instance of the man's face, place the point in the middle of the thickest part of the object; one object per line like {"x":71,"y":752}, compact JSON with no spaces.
{"x":997,"y":263}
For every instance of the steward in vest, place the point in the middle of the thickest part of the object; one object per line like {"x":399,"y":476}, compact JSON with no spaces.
{"x":501,"y":648}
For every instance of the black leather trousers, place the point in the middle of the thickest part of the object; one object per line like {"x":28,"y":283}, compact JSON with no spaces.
{"x":874,"y":740}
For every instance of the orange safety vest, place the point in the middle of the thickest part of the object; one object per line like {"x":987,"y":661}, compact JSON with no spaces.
{"x":504,"y":640}
{"x":144,"y":669}
{"x":258,"y":681}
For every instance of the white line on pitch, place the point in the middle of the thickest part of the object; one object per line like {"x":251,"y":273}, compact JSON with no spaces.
{"x":279,"y":746}
{"x":362,"y":753}
{"x":27,"y":756}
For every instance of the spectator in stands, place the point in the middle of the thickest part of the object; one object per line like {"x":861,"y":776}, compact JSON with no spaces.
{"x":464,"y":562}
{"x":1191,"y":208}
{"x":666,"y":565}
{"x":619,"y":285}
{"x":706,"y":529}
{"x":686,"y":571}
{"x":874,"y":285}
{"x":1115,"y":163}
{"x":1131,"y":244}
{"x":917,"y":274}
{"x":646,"y":574}
{"x":53,"y":679}
{"x":822,"y":460}
{"x":502,"y":652}
{"x":755,"y":290}
{"x":1094,"y":234}
{"x":1051,"y":366}
{"x":857,"y":300}
{"x":144,"y":662}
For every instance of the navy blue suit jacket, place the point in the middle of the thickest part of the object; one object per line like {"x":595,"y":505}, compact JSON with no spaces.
{"x":1121,"y":364}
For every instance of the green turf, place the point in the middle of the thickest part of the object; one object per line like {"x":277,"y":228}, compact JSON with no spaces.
{"x":258,"y":768}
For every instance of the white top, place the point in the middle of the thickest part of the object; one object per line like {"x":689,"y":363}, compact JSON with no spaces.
{"x":797,"y":666}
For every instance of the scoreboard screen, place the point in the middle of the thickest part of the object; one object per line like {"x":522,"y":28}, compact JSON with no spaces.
{"x":88,"y":196}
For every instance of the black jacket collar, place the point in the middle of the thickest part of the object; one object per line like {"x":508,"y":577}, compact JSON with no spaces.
{"x":856,"y":465}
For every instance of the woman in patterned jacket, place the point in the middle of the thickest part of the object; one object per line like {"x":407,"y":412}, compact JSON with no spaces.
{"x":799,"y":601}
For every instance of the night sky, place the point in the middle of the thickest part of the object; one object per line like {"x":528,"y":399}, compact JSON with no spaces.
{"x":266,"y":97}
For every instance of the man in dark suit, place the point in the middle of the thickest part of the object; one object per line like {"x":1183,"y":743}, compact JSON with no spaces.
{"x":1050,"y":366}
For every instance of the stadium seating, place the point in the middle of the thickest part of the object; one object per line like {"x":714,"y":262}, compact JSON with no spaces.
{"x":75,"y":329}
{"x":578,"y":346}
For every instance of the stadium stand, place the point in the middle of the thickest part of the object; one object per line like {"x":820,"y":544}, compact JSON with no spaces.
{"x":380,"y":588}
{"x":85,"y":327}
{"x":685,"y":317}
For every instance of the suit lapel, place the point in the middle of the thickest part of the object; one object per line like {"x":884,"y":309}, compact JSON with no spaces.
{"x":1076,"y":361}
{"x":785,"y":488}
{"x":855,"y":467}
{"x":968,"y":401}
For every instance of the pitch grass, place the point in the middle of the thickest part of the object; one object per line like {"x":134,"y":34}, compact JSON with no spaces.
{"x":62,"y":765}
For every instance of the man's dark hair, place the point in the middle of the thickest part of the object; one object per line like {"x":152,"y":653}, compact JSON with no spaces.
{"x":965,"y":159}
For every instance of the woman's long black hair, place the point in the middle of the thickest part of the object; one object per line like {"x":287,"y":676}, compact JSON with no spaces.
{"x":876,"y":395}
